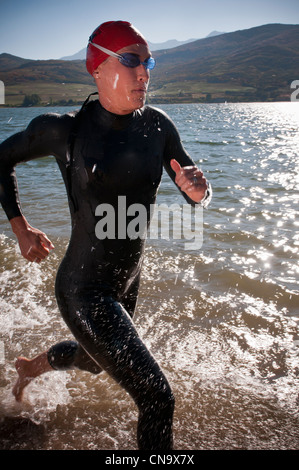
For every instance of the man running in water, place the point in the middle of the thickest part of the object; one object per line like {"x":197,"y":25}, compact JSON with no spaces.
{"x":114,"y":146}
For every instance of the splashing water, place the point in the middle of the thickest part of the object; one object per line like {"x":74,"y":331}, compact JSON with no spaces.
{"x":222,"y":321}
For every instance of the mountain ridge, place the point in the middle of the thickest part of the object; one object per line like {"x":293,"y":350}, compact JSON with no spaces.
{"x":80,"y":55}
{"x":256,"y":64}
{"x":171,"y":43}
{"x":257,"y":58}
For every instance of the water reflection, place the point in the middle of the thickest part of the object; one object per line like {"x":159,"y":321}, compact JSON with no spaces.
{"x":222,"y":321}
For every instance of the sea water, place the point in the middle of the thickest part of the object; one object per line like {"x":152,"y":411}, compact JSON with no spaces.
{"x":221,"y":320}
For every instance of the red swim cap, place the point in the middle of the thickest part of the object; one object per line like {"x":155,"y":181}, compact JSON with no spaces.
{"x":113,"y":35}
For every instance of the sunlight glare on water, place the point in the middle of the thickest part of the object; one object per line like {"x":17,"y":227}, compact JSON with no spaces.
{"x":222,"y":321}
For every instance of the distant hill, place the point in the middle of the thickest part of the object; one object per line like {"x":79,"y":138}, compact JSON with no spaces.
{"x":10,"y":62}
{"x":78,"y":56}
{"x":262,"y":60}
{"x":153,"y":47}
{"x":256,"y":64}
{"x":54,"y":81}
{"x":16,"y":70}
{"x":214,"y":33}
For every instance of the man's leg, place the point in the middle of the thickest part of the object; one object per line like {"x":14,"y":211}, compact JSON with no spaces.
{"x":66,"y":355}
{"x":106,"y":331}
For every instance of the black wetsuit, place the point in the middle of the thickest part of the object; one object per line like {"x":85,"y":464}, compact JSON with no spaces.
{"x":102,"y":156}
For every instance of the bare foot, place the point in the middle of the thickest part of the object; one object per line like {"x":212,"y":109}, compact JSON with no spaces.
{"x":23,"y":367}
{"x":27,"y":370}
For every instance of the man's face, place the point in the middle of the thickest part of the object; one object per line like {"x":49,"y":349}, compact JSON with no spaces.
{"x":123,"y":89}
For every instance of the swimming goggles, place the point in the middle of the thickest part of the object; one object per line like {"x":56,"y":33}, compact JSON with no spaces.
{"x":127,"y":58}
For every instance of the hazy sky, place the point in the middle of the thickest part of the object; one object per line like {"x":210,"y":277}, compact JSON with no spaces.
{"x":39,"y":29}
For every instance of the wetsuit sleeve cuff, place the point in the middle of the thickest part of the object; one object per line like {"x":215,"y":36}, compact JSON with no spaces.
{"x":207,"y":197}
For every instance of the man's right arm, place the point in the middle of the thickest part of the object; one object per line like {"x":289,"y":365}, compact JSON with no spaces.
{"x":46,"y":135}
